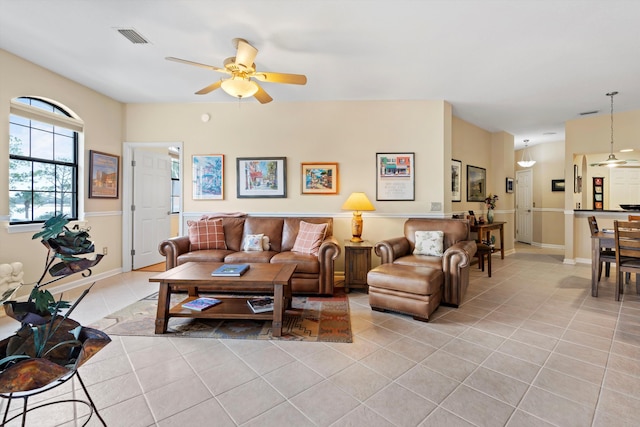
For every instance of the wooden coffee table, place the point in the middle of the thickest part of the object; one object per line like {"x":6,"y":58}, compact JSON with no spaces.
{"x":196,"y":277}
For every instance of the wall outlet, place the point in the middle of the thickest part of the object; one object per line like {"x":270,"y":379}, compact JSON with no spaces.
{"x":436,"y":206}
{"x":104,"y":250}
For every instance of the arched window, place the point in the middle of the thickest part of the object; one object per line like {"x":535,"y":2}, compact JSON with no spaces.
{"x":43,"y":161}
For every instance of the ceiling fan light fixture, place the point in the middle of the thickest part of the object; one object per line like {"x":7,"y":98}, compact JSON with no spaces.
{"x":526,"y":161}
{"x":239,"y":87}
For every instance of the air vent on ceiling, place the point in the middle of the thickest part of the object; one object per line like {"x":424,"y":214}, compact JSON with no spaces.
{"x":132,"y":35}
{"x":586,"y":113}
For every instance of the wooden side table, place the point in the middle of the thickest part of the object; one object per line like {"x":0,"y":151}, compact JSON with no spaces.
{"x":357,"y":263}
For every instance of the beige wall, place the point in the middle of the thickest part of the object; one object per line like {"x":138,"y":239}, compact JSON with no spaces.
{"x":103,"y":123}
{"x":548,"y":206}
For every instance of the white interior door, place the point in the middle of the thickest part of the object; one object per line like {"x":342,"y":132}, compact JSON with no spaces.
{"x":151,"y":206}
{"x":524,"y":206}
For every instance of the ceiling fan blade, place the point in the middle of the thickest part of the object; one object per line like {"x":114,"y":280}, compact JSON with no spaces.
{"x":295,"y":79}
{"x":197,"y":64}
{"x":246,"y":53}
{"x":262,"y":96}
{"x":209,"y":88}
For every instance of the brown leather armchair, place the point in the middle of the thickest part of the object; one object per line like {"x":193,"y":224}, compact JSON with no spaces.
{"x":459,"y":250}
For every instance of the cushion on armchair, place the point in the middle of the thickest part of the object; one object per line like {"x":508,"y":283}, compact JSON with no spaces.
{"x":429,"y":243}
{"x":310,"y":237}
{"x":206,"y":234}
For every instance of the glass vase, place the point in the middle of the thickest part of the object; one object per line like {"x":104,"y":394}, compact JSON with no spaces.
{"x":490,"y":216}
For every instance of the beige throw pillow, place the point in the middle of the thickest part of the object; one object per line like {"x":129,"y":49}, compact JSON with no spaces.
{"x":429,"y":243}
{"x":309,"y":238}
{"x":253,"y":242}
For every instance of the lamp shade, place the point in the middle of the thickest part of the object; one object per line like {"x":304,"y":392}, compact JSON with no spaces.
{"x":358,"y":202}
{"x":239,"y":87}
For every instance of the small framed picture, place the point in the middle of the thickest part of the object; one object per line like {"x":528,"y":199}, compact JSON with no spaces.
{"x":261,"y":177}
{"x":557,"y":185}
{"x":104,"y":170}
{"x":476,"y":184}
{"x":319,"y":178}
{"x":509,"y":185}
{"x":208,"y":177}
{"x":456,"y":178}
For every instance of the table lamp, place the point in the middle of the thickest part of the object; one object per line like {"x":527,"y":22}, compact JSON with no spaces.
{"x":357,"y":202}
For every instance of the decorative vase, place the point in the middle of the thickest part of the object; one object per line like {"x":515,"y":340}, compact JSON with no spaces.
{"x":490,"y":216}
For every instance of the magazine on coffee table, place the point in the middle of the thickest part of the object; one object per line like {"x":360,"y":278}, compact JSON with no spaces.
{"x":236,"y":270}
{"x":260,"y":305}
{"x":201,"y":303}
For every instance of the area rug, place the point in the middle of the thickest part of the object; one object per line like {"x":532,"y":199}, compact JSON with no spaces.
{"x":316,"y":319}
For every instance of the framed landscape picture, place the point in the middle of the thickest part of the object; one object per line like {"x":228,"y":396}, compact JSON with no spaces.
{"x":208,"y":177}
{"x":319,"y":178}
{"x":260,"y":177}
{"x":104,"y":170}
{"x":456,"y":177}
{"x":509,"y":185}
{"x":395,"y":176}
{"x":476,"y":184}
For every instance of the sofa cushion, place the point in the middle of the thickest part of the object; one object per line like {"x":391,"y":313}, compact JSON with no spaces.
{"x":420,"y":261}
{"x":429,"y":243}
{"x":253,"y":242}
{"x":292,"y":225}
{"x":249,"y":256}
{"x":206,"y":234}
{"x":205,"y":255}
{"x":305,"y":263}
{"x":310,"y":237}
{"x":267,"y":226}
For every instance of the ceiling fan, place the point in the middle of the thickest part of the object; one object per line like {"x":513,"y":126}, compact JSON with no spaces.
{"x":242,"y":71}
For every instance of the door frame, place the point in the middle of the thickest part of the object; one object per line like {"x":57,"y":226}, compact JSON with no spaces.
{"x":127,"y":192}
{"x":518,"y":173}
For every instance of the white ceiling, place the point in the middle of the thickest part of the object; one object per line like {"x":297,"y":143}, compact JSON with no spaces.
{"x":522,"y":66}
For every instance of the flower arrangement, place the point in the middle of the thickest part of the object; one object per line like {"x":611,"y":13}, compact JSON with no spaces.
{"x":490,"y":201}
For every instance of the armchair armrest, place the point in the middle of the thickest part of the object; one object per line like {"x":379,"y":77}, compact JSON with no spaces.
{"x":172,"y":248}
{"x":455,"y":265}
{"x":390,"y":249}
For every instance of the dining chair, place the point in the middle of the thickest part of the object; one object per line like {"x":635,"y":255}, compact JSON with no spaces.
{"x":627,"y":238}
{"x":607,"y":255}
{"x":634,"y":217}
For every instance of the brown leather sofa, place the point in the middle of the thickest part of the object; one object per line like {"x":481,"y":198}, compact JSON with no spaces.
{"x":313,"y":275}
{"x":454,"y":264}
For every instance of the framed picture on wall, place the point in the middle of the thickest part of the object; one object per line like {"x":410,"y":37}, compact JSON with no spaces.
{"x":208,"y":177}
{"x":395,"y":176}
{"x":476,"y":184}
{"x":104,"y":170}
{"x":509,"y":185}
{"x":319,"y":178}
{"x":456,"y":178}
{"x":261,"y":177}
{"x":557,"y":185}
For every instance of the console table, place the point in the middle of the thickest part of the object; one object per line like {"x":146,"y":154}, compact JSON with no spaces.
{"x":485,"y":230}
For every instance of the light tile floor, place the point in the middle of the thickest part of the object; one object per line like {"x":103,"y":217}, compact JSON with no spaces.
{"x":529,"y":347}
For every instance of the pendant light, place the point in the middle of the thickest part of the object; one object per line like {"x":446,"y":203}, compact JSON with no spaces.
{"x":526,"y":161}
{"x":611,"y":161}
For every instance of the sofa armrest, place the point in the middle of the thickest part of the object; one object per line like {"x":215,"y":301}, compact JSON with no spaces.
{"x":391,"y":249}
{"x":455,"y":265}
{"x":328,"y":252}
{"x":172,"y":248}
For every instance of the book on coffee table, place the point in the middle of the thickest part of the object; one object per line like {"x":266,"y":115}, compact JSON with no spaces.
{"x":260,"y":305}
{"x":230,"y":270}
{"x":202,"y":303}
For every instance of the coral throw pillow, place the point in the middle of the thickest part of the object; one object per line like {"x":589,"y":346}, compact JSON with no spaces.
{"x":429,"y":243}
{"x":253,"y":242}
{"x":309,"y":238}
{"x":206,"y":234}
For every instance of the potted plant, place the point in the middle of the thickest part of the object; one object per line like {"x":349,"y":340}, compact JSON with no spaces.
{"x":49,"y":345}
